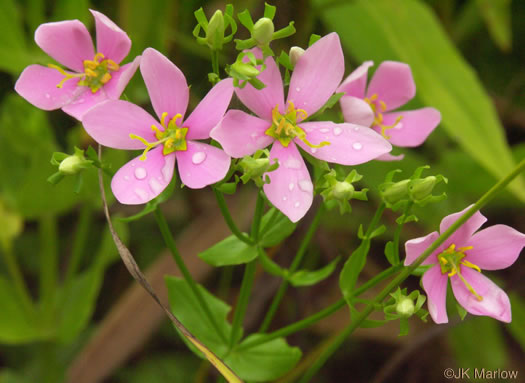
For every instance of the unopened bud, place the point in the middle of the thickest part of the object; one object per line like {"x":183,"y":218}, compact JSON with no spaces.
{"x":215,"y":32}
{"x":245,"y":70}
{"x":71,"y":165}
{"x":405,"y":307}
{"x":263,"y":31}
{"x":422,"y":188}
{"x":295,"y":54}
{"x":343,"y":191}
{"x":395,"y":192}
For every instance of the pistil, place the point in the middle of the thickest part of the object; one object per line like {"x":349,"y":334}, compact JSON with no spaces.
{"x":378,"y":114}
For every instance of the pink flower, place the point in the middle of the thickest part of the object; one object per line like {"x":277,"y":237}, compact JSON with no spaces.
{"x":461,"y":258}
{"x":123,"y":125}
{"x":94,"y":76}
{"x":315,"y":78}
{"x":391,"y":86}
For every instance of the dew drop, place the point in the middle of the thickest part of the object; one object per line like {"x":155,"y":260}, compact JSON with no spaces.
{"x":140,"y":173}
{"x":337,"y":131}
{"x":155,"y":186}
{"x":48,"y":96}
{"x":298,"y":89}
{"x":399,"y":125}
{"x":284,"y":198}
{"x":254,"y":135}
{"x":306,"y":186}
{"x":313,"y":150}
{"x":357,"y":146}
{"x":356,"y":128}
{"x":292,"y":163}
{"x":198,"y":158}
{"x":141,"y":193}
{"x":126,"y":178}
{"x":167,"y":171}
{"x":291,"y":186}
{"x":324,"y":130}
{"x":297,"y":204}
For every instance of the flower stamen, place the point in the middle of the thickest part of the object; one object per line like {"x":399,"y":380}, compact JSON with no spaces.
{"x":378,"y":114}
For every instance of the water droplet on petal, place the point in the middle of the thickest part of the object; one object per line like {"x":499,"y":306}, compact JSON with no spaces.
{"x":48,"y":96}
{"x":292,"y":163}
{"x":141,"y":193}
{"x":284,"y":198}
{"x":313,"y":150}
{"x":356,"y":128}
{"x":324,"y":130}
{"x":297,"y":204}
{"x":399,"y":125}
{"x":166,"y":171}
{"x":254,"y":135}
{"x":126,"y":178}
{"x":298,"y":89}
{"x":198,"y":158}
{"x":337,"y":131}
{"x":306,"y":185}
{"x":140,"y":173}
{"x":357,"y":146}
{"x":291,"y":186}
{"x":155,"y":186}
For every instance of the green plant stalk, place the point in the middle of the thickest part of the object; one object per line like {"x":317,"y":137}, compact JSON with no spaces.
{"x":249,"y":275}
{"x":16,"y":275}
{"x":314,"y":318}
{"x":229,"y":220}
{"x":397,"y":233}
{"x":215,"y":62}
{"x":278,"y":297}
{"x":48,"y":263}
{"x":334,"y":342}
{"x":170,"y":242}
{"x":85,"y":219}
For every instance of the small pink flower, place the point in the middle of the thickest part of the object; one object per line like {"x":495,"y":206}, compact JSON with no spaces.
{"x":461,"y":258}
{"x":123,"y":125}
{"x":94,"y":76}
{"x":391,"y":86}
{"x":317,"y":74}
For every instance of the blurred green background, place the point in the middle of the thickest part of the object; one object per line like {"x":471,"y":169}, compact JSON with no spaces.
{"x":80,"y":320}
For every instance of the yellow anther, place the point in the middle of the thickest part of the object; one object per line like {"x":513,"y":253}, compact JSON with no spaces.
{"x":383,"y":105}
{"x":465,"y":248}
{"x":99,"y":56}
{"x":443,"y":260}
{"x":471,"y":265}
{"x":90,"y":72}
{"x":163,"y":119}
{"x":105,"y":78}
{"x":112,"y":65}
{"x":156,"y":130}
{"x":453,"y":272}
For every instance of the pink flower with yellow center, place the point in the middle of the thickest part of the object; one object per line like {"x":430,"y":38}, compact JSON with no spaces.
{"x":461,"y":259}
{"x":92,"y":76}
{"x":170,"y":138}
{"x":316,"y":76}
{"x":391,"y":86}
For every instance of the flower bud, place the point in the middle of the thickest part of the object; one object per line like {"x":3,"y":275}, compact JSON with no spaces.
{"x":215,"y":32}
{"x":343,"y":191}
{"x":405,"y":307}
{"x":295,"y":54}
{"x":244,"y":69}
{"x":71,"y":165}
{"x":393,"y":192}
{"x":263,"y":31}
{"x":254,"y":167}
{"x":422,"y":188}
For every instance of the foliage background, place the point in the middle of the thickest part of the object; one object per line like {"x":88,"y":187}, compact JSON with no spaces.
{"x":467,"y":61}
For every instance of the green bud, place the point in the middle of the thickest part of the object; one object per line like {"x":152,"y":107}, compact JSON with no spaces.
{"x":215,"y":32}
{"x":405,"y":307}
{"x":263,"y":31}
{"x":295,"y":54}
{"x":343,"y":191}
{"x":393,"y":192}
{"x":71,"y":165}
{"x":422,"y":188}
{"x":247,"y":71}
{"x":254,"y":167}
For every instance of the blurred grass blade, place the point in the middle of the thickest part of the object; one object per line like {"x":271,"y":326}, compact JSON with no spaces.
{"x":497,"y":16}
{"x":408,"y":31}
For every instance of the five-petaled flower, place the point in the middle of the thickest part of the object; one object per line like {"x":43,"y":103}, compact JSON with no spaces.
{"x":94,"y":76}
{"x":316,"y":75}
{"x":123,"y":125}
{"x":391,"y":86}
{"x":461,"y":259}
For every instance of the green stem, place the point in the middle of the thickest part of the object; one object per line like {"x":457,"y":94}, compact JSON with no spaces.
{"x":242,"y":303}
{"x":228,"y":218}
{"x":82,"y":230}
{"x":295,"y":264}
{"x":312,"y":319}
{"x":215,"y":62}
{"x":170,"y":242}
{"x":397,"y":233}
{"x":256,"y":223}
{"x":16,"y":275}
{"x":335,"y":342}
{"x":48,"y":262}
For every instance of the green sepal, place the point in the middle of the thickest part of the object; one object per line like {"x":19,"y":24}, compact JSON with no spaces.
{"x":269,"y":11}
{"x":313,"y":39}
{"x":312,"y":277}
{"x":275,"y":228}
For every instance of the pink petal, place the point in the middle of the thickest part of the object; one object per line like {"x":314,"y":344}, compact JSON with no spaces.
{"x":290,"y":189}
{"x":317,"y":74}
{"x":241,"y":134}
{"x":495,"y":302}
{"x":356,"y":111}
{"x":112,"y":41}
{"x":390,"y":157}
{"x":462,"y":236}
{"x":435,"y":285}
{"x":111,"y":123}
{"x":415,"y":247}
{"x":496,"y":247}
{"x":349,"y":144}
{"x":166,"y":84}
{"x":139,"y":182}
{"x":210,"y":110}
{"x":86,"y":100}
{"x":38,"y":85}
{"x":261,"y":102}
{"x":120,"y":79}
{"x":202,"y":165}
{"x":413,"y":129}
{"x":355,"y":84}
{"x":393,"y":84}
{"x":68,"y":42}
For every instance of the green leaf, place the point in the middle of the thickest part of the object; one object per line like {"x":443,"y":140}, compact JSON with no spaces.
{"x":16,"y":325}
{"x":390,"y":253}
{"x":265,"y":362}
{"x":276,"y":227}
{"x":173,"y":367}
{"x":186,"y":308}
{"x":497,"y":16}
{"x":309,"y":278}
{"x":408,"y":31}
{"x":516,"y":327}
{"x":352,"y":268}
{"x":229,"y":251}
